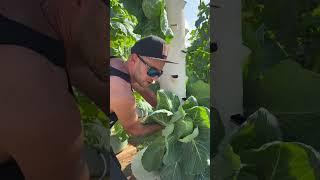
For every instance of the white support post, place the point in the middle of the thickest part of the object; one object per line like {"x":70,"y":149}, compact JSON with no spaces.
{"x":227,"y":85}
{"x":174,"y":77}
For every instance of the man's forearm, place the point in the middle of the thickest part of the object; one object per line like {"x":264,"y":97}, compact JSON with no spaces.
{"x":143,"y":130}
{"x":147,"y":94}
{"x":150,"y":97}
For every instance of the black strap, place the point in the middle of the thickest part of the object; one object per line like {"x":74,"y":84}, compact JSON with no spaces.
{"x":11,"y":170}
{"x":14,"y":33}
{"x":122,"y":75}
{"x":113,"y":119}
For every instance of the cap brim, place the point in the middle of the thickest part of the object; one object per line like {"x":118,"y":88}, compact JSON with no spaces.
{"x":164,"y":60}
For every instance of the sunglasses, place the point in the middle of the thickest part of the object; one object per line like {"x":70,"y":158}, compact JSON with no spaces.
{"x":152,"y":72}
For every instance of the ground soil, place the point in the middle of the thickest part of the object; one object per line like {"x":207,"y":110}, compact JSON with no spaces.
{"x":125,"y":158}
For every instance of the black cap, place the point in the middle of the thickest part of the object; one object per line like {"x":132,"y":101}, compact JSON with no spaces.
{"x":152,"y":46}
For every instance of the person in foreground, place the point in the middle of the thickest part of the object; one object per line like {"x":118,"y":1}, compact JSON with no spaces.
{"x":143,"y":67}
{"x":46,"y":47}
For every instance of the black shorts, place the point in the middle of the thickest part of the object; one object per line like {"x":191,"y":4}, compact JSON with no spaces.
{"x":10,"y":171}
{"x":115,"y":168}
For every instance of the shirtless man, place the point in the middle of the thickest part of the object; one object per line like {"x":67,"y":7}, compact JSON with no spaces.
{"x":144,"y":66}
{"x":45,"y":46}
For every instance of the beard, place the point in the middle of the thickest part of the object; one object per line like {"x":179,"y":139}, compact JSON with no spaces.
{"x":138,"y":79}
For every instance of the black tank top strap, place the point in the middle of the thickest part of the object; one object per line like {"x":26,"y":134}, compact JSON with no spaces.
{"x":14,"y":33}
{"x":118,"y":73}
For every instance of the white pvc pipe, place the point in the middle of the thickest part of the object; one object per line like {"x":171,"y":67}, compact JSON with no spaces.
{"x":175,"y":12}
{"x":226,"y":87}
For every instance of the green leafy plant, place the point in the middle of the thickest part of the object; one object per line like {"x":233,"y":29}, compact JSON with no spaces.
{"x":122,"y":24}
{"x":282,"y":71}
{"x":182,"y":148}
{"x":94,"y":122}
{"x":151,"y":16}
{"x":198,"y":54}
{"x":257,"y":150}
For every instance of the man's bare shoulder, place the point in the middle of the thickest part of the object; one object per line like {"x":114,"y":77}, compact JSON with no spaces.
{"x":120,"y":93}
{"x":120,"y":90}
{"x":25,"y":68}
{"x":33,"y":91}
{"x":117,"y":84}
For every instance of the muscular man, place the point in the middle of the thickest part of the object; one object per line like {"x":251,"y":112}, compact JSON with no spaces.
{"x":143,"y":67}
{"x":45,"y":47}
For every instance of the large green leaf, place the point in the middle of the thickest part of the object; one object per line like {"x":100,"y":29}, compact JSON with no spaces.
{"x":196,"y":153}
{"x":142,"y":105}
{"x":186,"y":139}
{"x":172,"y":172}
{"x":173,"y":150}
{"x":163,"y":101}
{"x":161,"y":116}
{"x":190,"y":137}
{"x":226,"y":164}
{"x":201,"y":91}
{"x":152,"y":157}
{"x":283,"y":161}
{"x":168,"y":130}
{"x":199,"y":115}
{"x":152,"y":8}
{"x":139,"y":172}
{"x":178,"y":115}
{"x":190,"y":102}
{"x":164,"y":26}
{"x":183,"y":128}
{"x":291,"y":93}
{"x":260,"y":128}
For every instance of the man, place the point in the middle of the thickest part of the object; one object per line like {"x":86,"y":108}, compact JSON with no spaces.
{"x":143,"y":67}
{"x":45,"y":47}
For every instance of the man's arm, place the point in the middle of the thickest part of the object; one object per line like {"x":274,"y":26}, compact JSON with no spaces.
{"x":39,"y":118}
{"x":122,"y":102}
{"x":146,"y":93}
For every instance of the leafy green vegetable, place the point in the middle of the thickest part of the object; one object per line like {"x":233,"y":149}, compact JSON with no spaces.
{"x":96,"y":135}
{"x":255,"y":153}
{"x":151,"y":162}
{"x":260,"y":128}
{"x":142,"y":105}
{"x":190,"y":102}
{"x":118,"y":130}
{"x":167,"y":101}
{"x":201,"y":91}
{"x":283,"y":160}
{"x":185,"y":136}
{"x":151,"y":16}
{"x":198,"y":54}
{"x":95,"y":123}
{"x":161,"y":116}
{"x":183,"y":128}
{"x":226,"y":164}
{"x":297,"y":116}
{"x":122,"y":35}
